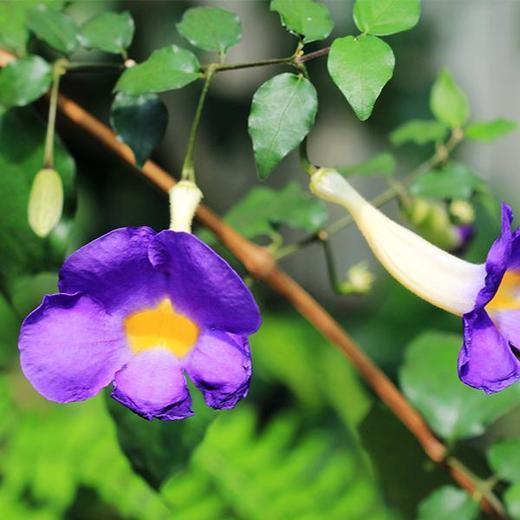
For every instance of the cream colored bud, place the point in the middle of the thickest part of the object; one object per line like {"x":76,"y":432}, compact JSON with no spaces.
{"x":359,"y":278}
{"x":185,"y":197}
{"x":45,"y":202}
{"x":463,"y":211}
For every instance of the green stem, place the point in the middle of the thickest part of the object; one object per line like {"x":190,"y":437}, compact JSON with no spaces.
{"x":95,"y":67}
{"x":305,"y":163}
{"x":57,"y":72}
{"x":262,"y":63}
{"x":188,"y":170}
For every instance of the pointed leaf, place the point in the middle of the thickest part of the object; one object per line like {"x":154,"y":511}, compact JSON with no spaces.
{"x":448,"y":102}
{"x":418,"y":131}
{"x":282,"y":113}
{"x":210,"y":28}
{"x":512,"y":500}
{"x":382,"y":164}
{"x":383,"y":17}
{"x":140,"y":122}
{"x":307,"y":19}
{"x":109,"y":32}
{"x":361,"y":67}
{"x":24,"y":80}
{"x":429,"y":380}
{"x":166,"y":69}
{"x":504,"y":458}
{"x":490,"y":130}
{"x":448,"y":503}
{"x":54,"y":28}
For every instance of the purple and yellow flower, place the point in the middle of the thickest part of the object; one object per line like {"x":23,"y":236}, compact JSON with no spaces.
{"x":142,"y":310}
{"x":486,"y":296}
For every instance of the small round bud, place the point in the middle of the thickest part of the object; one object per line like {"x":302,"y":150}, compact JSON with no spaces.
{"x":462,"y":211}
{"x":359,"y":279}
{"x":129,"y":63}
{"x":185,"y":197}
{"x":45,"y":202}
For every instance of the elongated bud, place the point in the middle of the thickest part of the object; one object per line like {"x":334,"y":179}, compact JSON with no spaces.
{"x":45,"y":202}
{"x":433,"y":274}
{"x":185,"y":197}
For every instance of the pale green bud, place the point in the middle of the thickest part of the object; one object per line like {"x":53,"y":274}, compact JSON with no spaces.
{"x":45,"y":202}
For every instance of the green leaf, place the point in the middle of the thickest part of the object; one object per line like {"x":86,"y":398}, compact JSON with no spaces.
{"x":490,"y":130}
{"x":282,"y":113}
{"x":448,"y":102}
{"x":156,"y":449}
{"x":210,"y":28}
{"x":305,"y":18}
{"x":512,"y":500}
{"x":454,"y":181}
{"x":418,"y":131}
{"x":21,"y":157}
{"x":448,"y":503}
{"x":166,"y":69}
{"x":109,"y":32}
{"x":382,"y":164}
{"x":361,"y":67}
{"x":383,"y":17}
{"x":54,"y":28}
{"x":13,"y":22}
{"x":140,"y":122}
{"x":504,"y":458}
{"x":429,"y":380}
{"x":263,"y":209}
{"x":24,"y":80}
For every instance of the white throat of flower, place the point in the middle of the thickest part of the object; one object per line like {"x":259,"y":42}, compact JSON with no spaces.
{"x":185,"y":197}
{"x":431,"y":273}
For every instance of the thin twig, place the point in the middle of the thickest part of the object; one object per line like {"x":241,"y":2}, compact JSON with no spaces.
{"x":261,"y":264}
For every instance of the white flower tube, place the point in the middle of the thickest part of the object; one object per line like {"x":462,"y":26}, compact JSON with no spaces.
{"x":185,"y":197}
{"x":433,"y":274}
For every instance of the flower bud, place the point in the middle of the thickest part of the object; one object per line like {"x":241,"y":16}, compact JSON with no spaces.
{"x":185,"y":197}
{"x":359,"y":279}
{"x":45,"y":202}
{"x":462,"y":211}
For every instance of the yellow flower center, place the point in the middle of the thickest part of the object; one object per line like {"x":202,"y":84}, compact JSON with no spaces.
{"x":161,"y":327}
{"x":508,"y":295}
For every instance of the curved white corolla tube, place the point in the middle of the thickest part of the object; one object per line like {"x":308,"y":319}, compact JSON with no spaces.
{"x":433,"y":274}
{"x":185,"y":198}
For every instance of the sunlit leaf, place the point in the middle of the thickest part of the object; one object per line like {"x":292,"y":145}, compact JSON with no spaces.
{"x":512,"y":500}
{"x":504,"y":458}
{"x":448,"y":102}
{"x":429,"y":380}
{"x":382,"y":164}
{"x":418,"y":131}
{"x":109,"y":32}
{"x":210,"y":28}
{"x":383,"y":17}
{"x":54,"y":28}
{"x":490,"y":130}
{"x":282,"y":114}
{"x":453,"y":181}
{"x":361,"y":67}
{"x":448,"y":503}
{"x":166,"y":69}
{"x":24,"y":80}
{"x":307,"y":19}
{"x":140,"y":122}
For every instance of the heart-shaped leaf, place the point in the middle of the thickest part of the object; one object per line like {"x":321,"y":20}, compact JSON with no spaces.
{"x":448,"y":102}
{"x":282,"y":113}
{"x":361,"y":67}
{"x":166,"y":69}
{"x":383,"y":17}
{"x":305,"y":18}
{"x":140,"y":122}
{"x":210,"y":28}
{"x":109,"y":32}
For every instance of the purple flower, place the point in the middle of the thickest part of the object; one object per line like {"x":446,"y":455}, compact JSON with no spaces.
{"x":141,"y":310}
{"x":487,"y":296}
{"x":489,"y":357}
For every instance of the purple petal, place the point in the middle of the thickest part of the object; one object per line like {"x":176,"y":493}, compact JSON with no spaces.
{"x":70,"y":348}
{"x":507,"y":321}
{"x":114,"y":270}
{"x":220,"y":367}
{"x":153,"y":386}
{"x":497,"y":260}
{"x":486,"y":360}
{"x":203,"y":285}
